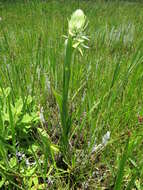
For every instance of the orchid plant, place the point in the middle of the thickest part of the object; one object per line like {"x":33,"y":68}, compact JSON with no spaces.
{"x":74,"y":41}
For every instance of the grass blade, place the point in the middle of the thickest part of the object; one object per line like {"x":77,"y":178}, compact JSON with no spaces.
{"x":121,"y":168}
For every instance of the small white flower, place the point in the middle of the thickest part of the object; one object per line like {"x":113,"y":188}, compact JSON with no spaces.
{"x":27,"y":162}
{"x":106,"y":138}
{"x":47,"y":83}
{"x":100,"y":146}
{"x":96,"y":148}
{"x":42,"y":119}
{"x":0,"y":18}
{"x":49,"y":181}
{"x":83,"y":97}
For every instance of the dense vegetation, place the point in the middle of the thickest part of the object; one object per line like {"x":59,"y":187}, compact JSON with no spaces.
{"x":71,"y":117}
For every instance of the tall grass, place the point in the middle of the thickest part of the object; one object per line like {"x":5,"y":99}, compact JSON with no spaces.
{"x":98,"y":92}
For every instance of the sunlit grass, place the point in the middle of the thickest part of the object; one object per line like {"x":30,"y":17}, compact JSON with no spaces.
{"x":103,"y":99}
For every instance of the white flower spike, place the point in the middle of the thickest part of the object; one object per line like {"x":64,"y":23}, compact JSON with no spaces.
{"x":77,"y":22}
{"x":76,"y":30}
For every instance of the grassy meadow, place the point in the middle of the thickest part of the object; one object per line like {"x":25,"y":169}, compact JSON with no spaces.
{"x":74,"y":126}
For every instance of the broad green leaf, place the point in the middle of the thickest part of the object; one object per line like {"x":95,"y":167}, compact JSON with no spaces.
{"x":13,"y":162}
{"x":27,"y":119}
{"x":18,"y":107}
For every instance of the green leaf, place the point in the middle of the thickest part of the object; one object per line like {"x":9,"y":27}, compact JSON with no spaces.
{"x":7,"y":91}
{"x":13,"y":162}
{"x":18,"y":106}
{"x":27,"y":119}
{"x":30,"y":171}
{"x":29,"y":100}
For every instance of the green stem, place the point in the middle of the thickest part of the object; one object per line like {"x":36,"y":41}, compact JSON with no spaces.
{"x":66,"y":80}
